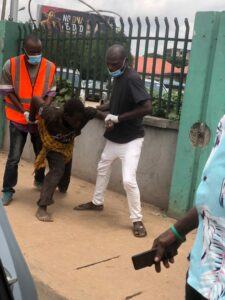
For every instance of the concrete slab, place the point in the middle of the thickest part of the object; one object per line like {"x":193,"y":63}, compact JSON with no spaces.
{"x":58,"y":252}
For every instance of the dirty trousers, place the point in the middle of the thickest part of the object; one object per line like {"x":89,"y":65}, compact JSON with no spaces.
{"x":129,"y":154}
{"x":58,"y":176}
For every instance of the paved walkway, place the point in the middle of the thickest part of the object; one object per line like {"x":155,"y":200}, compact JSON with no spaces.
{"x":61,"y":255}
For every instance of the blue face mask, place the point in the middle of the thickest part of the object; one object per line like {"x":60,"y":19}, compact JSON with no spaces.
{"x":118,"y":72}
{"x":35,"y":59}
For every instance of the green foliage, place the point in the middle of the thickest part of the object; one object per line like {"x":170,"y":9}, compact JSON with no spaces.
{"x":163,"y":109}
{"x":64,"y":91}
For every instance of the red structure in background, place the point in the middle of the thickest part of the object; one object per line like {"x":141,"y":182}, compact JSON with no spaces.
{"x":158,"y":67}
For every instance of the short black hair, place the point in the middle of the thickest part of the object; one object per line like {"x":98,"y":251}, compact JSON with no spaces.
{"x":73,"y":107}
{"x":34,"y":38}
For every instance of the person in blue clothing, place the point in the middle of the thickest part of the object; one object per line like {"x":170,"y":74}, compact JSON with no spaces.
{"x":206,"y":274}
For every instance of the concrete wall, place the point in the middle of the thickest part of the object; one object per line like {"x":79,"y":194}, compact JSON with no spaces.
{"x":155,"y":167}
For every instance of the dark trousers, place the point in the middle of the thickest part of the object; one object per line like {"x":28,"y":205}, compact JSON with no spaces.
{"x":58,"y":176}
{"x":192,"y":294}
{"x":17,"y":142}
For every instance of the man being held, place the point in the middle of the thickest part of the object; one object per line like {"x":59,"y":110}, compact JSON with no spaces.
{"x":22,"y":78}
{"x":58,"y":127}
{"x":128,"y":104}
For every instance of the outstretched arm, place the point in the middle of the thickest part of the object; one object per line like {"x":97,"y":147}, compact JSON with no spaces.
{"x":139,"y":111}
{"x":103,"y":107}
{"x":168,"y":238}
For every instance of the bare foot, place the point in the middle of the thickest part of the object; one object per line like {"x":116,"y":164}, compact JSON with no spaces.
{"x":43,"y":215}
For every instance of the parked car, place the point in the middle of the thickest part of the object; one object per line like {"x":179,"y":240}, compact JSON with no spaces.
{"x":92,"y":94}
{"x":156,"y":86}
{"x":16,"y":282}
{"x":68,"y":74}
{"x":175,"y":84}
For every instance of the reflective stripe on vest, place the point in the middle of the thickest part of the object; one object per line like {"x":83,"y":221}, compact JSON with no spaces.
{"x":23,"y":86}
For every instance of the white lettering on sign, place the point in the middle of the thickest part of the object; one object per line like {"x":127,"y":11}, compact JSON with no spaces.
{"x":66,"y":18}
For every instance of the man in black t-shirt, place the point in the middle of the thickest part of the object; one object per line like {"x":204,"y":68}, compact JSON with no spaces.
{"x":124,"y":134}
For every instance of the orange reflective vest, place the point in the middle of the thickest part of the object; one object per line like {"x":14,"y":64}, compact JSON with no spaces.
{"x":23,"y":86}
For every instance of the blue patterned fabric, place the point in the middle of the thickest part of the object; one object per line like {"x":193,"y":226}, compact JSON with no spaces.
{"x":207,"y":260}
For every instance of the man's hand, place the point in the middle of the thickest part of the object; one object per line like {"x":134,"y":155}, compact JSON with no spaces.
{"x":162,"y":243}
{"x":109,"y":125}
{"x":113,"y":118}
{"x":26,"y":115}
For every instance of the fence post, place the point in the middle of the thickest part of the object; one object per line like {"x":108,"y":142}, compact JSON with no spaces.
{"x":204,"y":103}
{"x":9,"y":43}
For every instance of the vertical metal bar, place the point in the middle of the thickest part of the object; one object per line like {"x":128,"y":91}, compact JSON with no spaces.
{"x":104,"y":48}
{"x":58,"y":48}
{"x":130,"y":35}
{"x":83,"y":39}
{"x":75,"y":64}
{"x":69,"y":48}
{"x":89,"y":60}
{"x":154,"y":56}
{"x":180,"y":89}
{"x":138,"y":43}
{"x":96,"y":58}
{"x":146,"y":48}
{"x":62,"y":62}
{"x":113,"y":31}
{"x":163,"y":62}
{"x":46,"y":42}
{"x":52,"y":48}
{"x":121,"y":31}
{"x":173,"y":63}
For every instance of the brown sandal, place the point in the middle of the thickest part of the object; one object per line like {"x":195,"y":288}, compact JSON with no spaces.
{"x":139,"y":229}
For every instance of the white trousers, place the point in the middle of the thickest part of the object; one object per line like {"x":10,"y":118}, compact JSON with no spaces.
{"x":129,"y":154}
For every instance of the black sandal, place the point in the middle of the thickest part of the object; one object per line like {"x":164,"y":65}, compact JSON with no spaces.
{"x":139,"y":229}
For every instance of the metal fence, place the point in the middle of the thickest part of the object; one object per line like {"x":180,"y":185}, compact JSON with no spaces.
{"x":158,"y":51}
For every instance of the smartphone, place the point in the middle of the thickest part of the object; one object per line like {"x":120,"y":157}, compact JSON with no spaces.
{"x":146,"y":259}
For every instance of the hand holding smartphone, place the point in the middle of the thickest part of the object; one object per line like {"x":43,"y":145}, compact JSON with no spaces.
{"x":146,"y":259}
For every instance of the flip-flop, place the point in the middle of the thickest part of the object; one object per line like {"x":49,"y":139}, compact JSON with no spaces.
{"x":139,"y":229}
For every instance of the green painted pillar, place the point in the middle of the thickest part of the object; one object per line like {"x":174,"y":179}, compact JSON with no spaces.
{"x":10,"y":33}
{"x":204,"y":102}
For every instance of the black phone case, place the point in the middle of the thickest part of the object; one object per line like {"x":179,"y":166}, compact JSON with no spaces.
{"x":146,"y":259}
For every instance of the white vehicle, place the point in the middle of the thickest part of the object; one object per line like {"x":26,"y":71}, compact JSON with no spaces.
{"x":156,"y":86}
{"x":92,"y":94}
{"x":16,"y":282}
{"x":69,"y":74}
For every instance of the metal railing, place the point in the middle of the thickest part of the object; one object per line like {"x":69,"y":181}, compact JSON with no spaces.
{"x":159,"y":52}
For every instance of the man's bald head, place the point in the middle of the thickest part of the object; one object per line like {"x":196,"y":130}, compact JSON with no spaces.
{"x":115,"y":57}
{"x":116,"y":51}
{"x":32,"y":45}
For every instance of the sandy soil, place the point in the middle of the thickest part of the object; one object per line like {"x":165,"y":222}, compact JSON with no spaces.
{"x":55,"y":252}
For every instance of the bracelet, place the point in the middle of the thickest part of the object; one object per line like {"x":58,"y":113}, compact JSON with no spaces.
{"x":176,"y":234}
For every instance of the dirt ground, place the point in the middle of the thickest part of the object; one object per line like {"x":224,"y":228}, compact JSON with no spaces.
{"x":59,"y":253}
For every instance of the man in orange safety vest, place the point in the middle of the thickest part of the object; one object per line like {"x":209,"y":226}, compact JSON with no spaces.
{"x":24,"y":77}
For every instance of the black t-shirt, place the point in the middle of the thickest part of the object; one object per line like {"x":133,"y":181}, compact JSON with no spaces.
{"x":128,"y":92}
{"x":56,"y":126}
